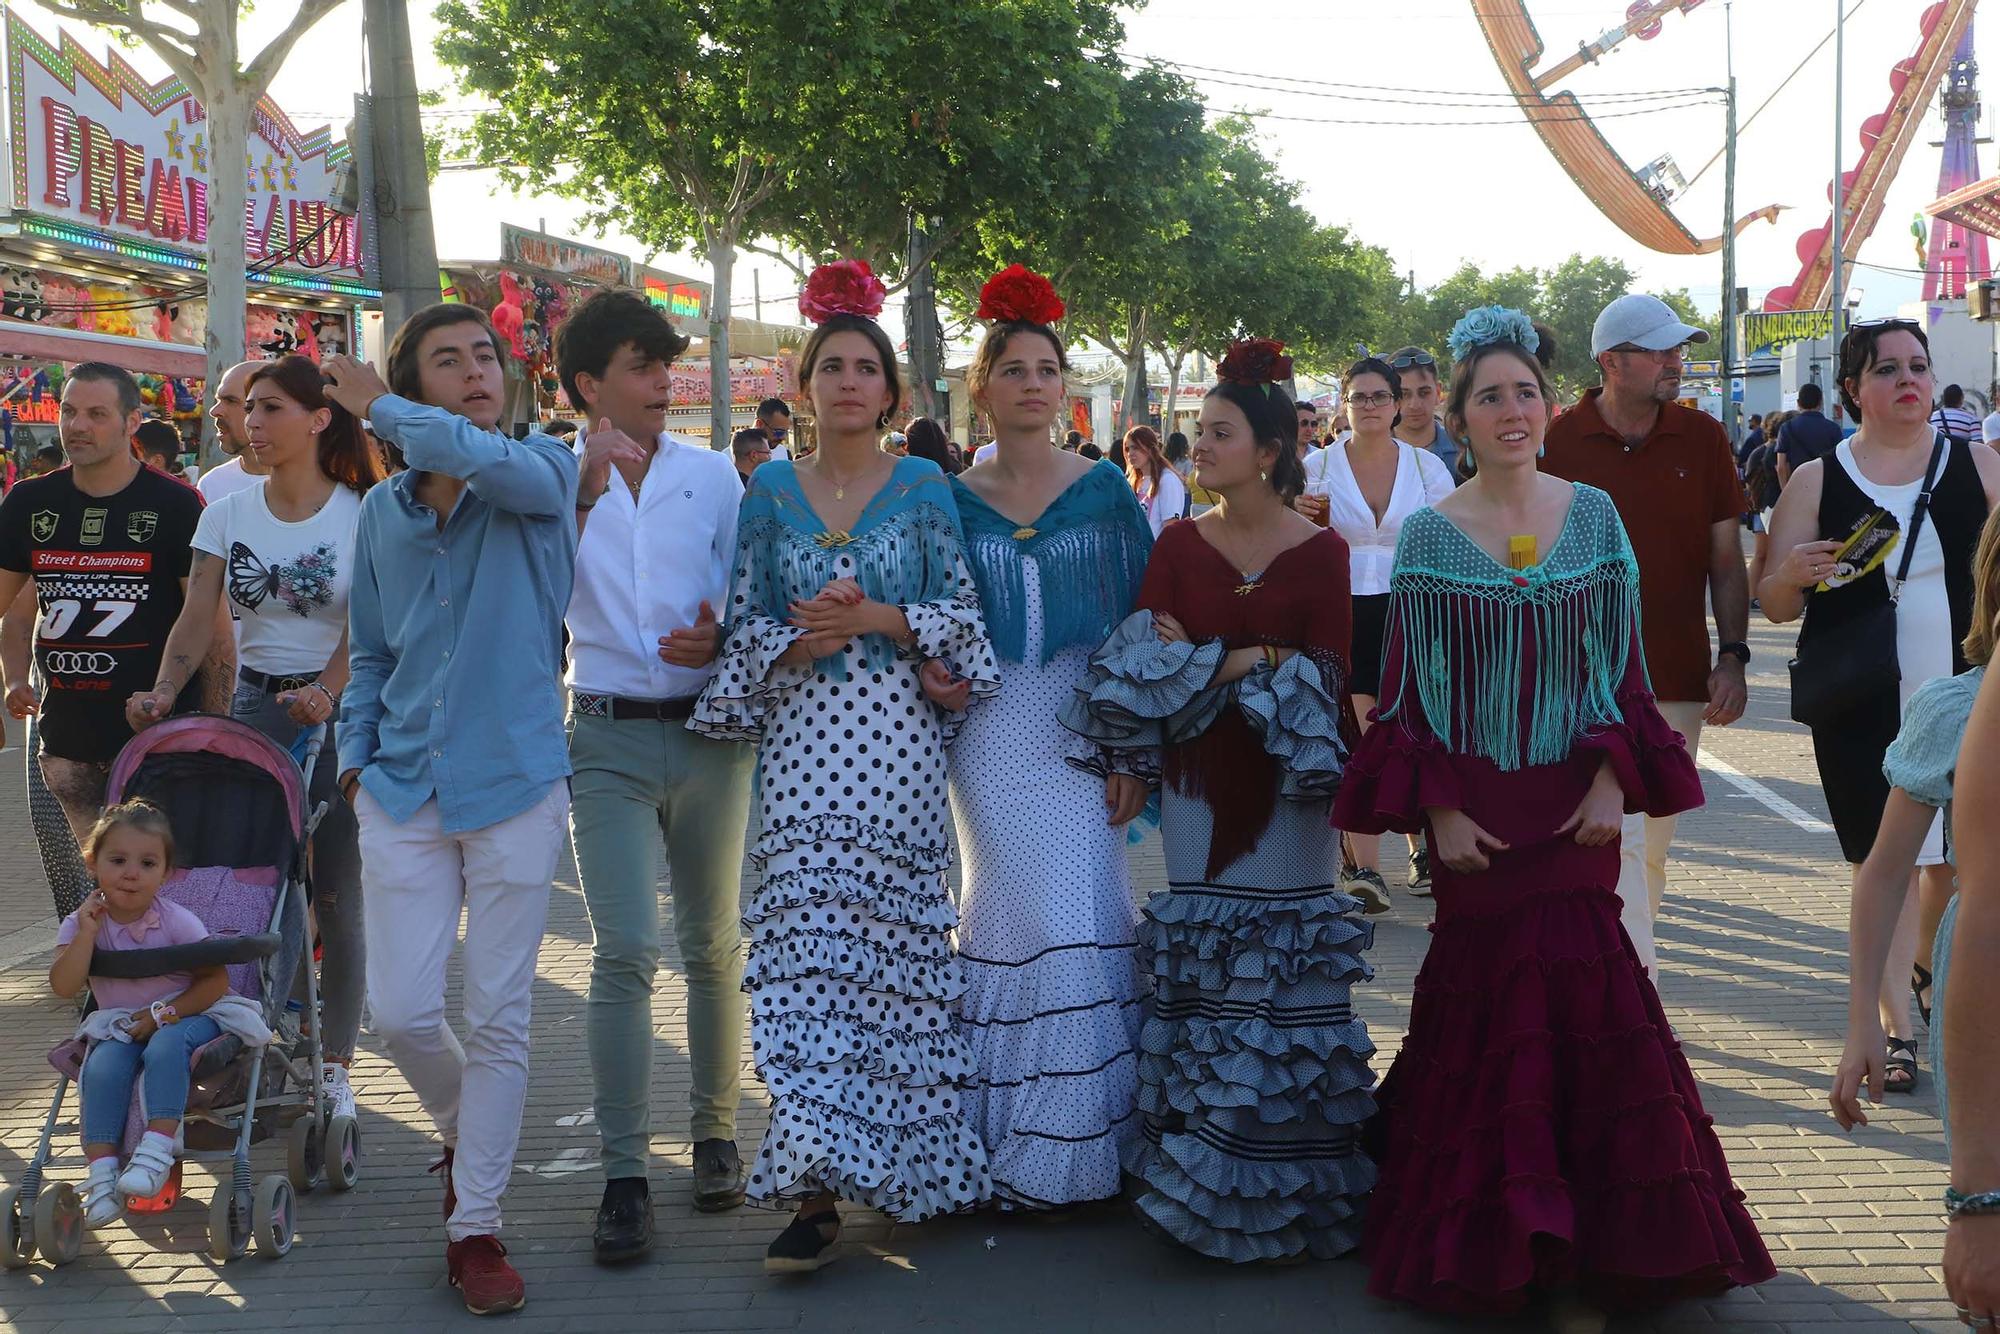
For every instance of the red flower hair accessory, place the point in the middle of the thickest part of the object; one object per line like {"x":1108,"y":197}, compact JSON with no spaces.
{"x":844,"y":287}
{"x":1018,"y":293}
{"x":1255,"y":361}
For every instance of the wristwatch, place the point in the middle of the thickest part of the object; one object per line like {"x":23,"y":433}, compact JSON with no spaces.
{"x":1736,"y":649}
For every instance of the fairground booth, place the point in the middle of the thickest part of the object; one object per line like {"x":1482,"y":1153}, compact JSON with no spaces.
{"x":538,"y":279}
{"x":105,"y":222}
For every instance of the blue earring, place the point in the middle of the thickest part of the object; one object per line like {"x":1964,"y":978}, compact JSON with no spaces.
{"x":1541,"y":451}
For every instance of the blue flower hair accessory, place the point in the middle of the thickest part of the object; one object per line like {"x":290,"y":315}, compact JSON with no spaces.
{"x":1489,"y":325}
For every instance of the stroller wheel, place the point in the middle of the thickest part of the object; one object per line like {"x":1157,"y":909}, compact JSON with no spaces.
{"x":59,"y":1223}
{"x":343,"y":1152}
{"x":17,"y":1232}
{"x":228,"y":1230}
{"x":272,"y":1217}
{"x":305,"y":1156}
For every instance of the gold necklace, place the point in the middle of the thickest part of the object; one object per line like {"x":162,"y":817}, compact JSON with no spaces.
{"x":839,"y":487}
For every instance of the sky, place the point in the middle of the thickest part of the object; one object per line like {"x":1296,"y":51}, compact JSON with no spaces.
{"x":1434,"y":194}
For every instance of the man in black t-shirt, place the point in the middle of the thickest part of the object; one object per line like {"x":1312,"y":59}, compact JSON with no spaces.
{"x":107,"y":543}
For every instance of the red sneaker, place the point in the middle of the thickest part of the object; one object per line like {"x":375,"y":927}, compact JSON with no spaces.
{"x":450,"y":1191}
{"x":480,"y":1272}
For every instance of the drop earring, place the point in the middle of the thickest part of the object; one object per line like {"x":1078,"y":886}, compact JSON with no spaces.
{"x":1263,"y":476}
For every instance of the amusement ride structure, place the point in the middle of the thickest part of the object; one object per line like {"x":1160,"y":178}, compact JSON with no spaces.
{"x":1639,"y":200}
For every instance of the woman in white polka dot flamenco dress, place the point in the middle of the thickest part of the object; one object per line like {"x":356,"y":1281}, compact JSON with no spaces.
{"x":851,"y":580}
{"x":1046,"y":921}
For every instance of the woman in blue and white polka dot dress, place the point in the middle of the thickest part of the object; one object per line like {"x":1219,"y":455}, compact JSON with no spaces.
{"x":850,"y":582}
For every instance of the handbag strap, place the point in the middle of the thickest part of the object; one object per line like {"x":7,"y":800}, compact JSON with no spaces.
{"x":1917,"y":513}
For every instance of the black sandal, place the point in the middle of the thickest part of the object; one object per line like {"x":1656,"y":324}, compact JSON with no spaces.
{"x":1920,"y":986}
{"x":809,"y":1243}
{"x":1899,"y":1073}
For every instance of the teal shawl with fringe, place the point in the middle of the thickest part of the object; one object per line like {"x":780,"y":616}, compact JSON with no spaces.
{"x":1467,"y":627}
{"x":1089,"y":547}
{"x":905,"y":547}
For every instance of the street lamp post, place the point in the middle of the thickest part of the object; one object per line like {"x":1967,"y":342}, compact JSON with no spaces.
{"x":1837,"y":301}
{"x":1730,"y":411}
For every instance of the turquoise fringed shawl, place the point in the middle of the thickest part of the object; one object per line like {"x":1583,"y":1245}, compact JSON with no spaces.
{"x":1089,"y":547}
{"x":1468,"y":624}
{"x":905,"y":547}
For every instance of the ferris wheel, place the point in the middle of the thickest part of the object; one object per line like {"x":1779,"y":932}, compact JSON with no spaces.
{"x":1638,"y":199}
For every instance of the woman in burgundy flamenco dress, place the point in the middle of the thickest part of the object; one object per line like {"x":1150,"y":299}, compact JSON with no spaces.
{"x":1540,"y":1134}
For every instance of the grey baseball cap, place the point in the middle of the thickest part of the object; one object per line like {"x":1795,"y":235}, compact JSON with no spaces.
{"x":1638,"y":320}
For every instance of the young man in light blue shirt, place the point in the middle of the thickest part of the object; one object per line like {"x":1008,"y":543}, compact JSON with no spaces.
{"x":452,"y":748}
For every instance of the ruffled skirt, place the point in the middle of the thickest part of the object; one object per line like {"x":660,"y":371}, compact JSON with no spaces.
{"x":1253,"y":1069}
{"x":851,"y":980}
{"x":1540,"y":1128}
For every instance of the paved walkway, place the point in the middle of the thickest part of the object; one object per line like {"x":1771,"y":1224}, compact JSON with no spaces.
{"x":1753,"y":940}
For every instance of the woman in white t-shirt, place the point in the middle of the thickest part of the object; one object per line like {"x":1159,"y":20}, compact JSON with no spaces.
{"x":281,"y":553}
{"x":1158,"y":487}
{"x":1364,"y":486}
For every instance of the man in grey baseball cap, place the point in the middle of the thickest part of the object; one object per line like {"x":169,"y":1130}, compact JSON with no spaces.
{"x":1641,"y":322}
{"x":1670,"y":471}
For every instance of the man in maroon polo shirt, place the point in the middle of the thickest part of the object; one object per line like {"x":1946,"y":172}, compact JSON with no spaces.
{"x":1670,"y":471}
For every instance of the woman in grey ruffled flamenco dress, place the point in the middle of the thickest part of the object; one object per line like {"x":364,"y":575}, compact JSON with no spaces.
{"x":1253,"y":1073}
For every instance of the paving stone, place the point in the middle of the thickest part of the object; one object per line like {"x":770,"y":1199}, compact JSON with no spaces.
{"x":1753,"y":942}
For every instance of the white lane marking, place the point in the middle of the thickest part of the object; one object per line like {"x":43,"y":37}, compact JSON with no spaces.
{"x":566,"y":1163}
{"x":1757,"y":792}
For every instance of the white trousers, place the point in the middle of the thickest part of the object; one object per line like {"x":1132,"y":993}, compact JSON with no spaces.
{"x":1643,"y":844}
{"x":416,"y":878}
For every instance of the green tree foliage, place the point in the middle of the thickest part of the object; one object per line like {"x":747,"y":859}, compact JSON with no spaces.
{"x":675,"y":119}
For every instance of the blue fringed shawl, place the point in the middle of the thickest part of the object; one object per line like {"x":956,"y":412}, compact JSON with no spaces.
{"x":905,"y":547}
{"x":1089,"y":547}
{"x":1467,"y":626}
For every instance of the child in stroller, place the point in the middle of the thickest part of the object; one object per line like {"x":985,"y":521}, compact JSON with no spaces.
{"x":236,"y":806}
{"x":151,"y":1024}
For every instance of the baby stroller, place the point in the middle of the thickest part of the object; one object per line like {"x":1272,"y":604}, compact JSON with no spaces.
{"x":237,"y":803}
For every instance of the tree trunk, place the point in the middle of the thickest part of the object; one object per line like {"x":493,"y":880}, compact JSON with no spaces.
{"x":1134,"y":413}
{"x":722,"y":266}
{"x":925,"y":332}
{"x":230,"y":108}
{"x":1173,"y":393}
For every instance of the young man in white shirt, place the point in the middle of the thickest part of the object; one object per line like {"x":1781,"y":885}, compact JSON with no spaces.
{"x":657,"y":545}
{"x":242,"y":471}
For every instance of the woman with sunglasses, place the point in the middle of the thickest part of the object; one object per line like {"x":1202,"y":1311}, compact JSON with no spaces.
{"x":1824,"y":563}
{"x":1364,"y":488}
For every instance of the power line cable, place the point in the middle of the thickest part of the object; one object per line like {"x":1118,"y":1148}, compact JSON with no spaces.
{"x":1319,"y":86}
{"x":1773,"y":97}
{"x":1524,"y":119}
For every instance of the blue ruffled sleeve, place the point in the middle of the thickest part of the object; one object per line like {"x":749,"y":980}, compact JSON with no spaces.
{"x":1141,"y":694}
{"x":749,"y":678}
{"x":1296,"y":711}
{"x":1924,"y":756}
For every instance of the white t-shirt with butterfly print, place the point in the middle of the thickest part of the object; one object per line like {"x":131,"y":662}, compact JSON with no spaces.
{"x":287,"y":583}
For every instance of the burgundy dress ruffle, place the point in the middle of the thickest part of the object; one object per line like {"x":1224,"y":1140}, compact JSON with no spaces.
{"x":1540,"y":1128}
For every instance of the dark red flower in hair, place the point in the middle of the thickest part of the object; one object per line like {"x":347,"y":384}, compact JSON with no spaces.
{"x":1256,"y":361}
{"x":844,"y":287}
{"x":1019,"y":293}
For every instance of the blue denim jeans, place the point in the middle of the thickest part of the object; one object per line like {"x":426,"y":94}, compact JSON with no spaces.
{"x":112,"y":1066}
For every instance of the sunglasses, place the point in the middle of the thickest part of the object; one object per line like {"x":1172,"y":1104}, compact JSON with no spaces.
{"x":1421,"y":360}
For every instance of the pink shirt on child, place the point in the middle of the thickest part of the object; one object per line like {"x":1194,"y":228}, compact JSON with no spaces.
{"x":165,"y":923}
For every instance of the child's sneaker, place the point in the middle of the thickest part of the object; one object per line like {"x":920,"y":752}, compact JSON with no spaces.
{"x":336,"y":1094}
{"x":101,"y":1201}
{"x":152,"y":1162}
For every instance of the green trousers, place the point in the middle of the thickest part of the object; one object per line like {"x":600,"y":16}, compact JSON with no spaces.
{"x":637,"y":782}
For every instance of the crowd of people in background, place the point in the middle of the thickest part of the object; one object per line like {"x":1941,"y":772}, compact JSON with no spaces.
{"x":1447,"y":611}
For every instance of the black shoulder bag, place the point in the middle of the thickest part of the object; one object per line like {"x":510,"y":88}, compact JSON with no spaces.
{"x":1856,"y":661}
